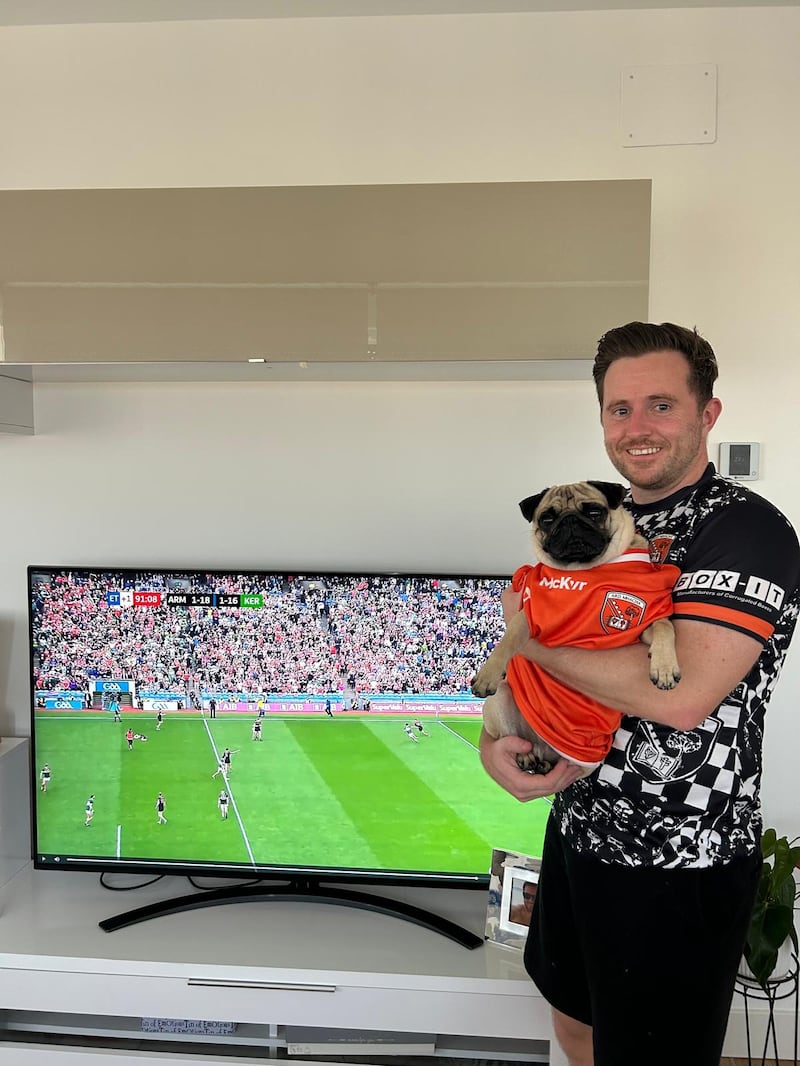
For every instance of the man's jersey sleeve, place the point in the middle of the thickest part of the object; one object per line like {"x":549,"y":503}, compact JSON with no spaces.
{"x":740,"y":569}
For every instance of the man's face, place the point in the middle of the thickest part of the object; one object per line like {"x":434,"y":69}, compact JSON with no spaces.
{"x":655,"y":428}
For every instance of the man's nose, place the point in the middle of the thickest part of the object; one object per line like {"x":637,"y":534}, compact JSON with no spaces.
{"x":639,"y":422}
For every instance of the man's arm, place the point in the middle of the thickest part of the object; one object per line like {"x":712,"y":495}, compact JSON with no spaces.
{"x":713,"y":661}
{"x":712,"y":658}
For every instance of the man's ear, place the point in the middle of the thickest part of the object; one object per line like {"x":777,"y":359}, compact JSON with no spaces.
{"x":613,"y":492}
{"x":529,"y":504}
{"x":711,"y":412}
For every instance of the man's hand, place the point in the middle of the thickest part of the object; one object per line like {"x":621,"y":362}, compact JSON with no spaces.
{"x":499,"y":761}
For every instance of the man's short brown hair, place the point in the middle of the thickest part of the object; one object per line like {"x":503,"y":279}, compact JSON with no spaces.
{"x":641,"y":338}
